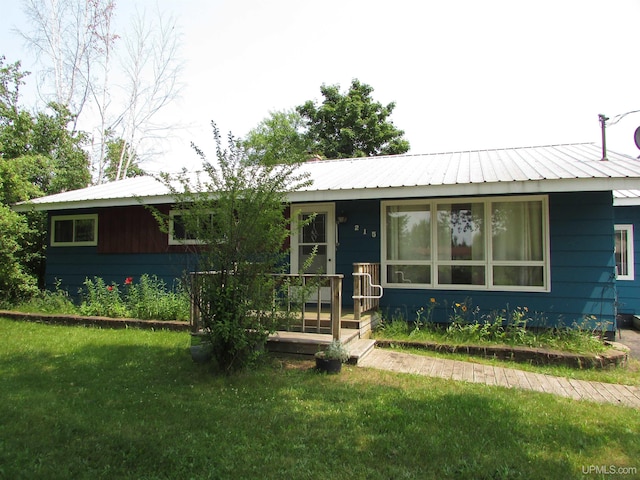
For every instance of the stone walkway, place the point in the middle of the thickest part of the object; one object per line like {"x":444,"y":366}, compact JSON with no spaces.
{"x":506,"y":377}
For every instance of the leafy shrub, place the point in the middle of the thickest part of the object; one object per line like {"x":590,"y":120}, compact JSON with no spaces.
{"x":102,"y":300}
{"x":508,"y":326}
{"x":147,"y":300}
{"x":150,"y":299}
{"x":46,"y":301}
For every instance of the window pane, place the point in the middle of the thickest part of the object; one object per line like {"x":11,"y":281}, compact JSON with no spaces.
{"x":461,"y":231}
{"x":517,"y":231}
{"x":314,"y":232}
{"x":408,"y":232}
{"x":85,"y":230}
{"x":318,"y":264}
{"x":179,"y":230}
{"x":622,"y":264}
{"x":184,"y":228}
{"x":525,"y":276}
{"x":408,"y":274}
{"x":461,"y":275}
{"x":63,"y":231}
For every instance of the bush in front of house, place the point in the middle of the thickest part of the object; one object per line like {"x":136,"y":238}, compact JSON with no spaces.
{"x":235,"y":217}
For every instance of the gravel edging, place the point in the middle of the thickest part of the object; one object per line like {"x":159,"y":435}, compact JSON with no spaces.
{"x":60,"y":319}
{"x":537,"y":356}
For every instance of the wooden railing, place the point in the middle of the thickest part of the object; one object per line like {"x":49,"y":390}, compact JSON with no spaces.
{"x":367,"y":290}
{"x":303,"y":291}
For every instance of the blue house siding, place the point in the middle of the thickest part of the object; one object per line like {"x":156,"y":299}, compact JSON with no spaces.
{"x":358,"y":238}
{"x":72,"y":265}
{"x":629,"y":290}
{"x":126,"y":231}
{"x":582,"y":266}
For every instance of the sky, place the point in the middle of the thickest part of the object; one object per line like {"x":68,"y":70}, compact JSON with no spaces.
{"x":464,"y":74}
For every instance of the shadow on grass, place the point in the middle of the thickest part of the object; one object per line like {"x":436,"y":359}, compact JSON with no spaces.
{"x":133,"y":406}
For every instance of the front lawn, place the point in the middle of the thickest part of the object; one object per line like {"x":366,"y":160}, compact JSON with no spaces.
{"x":90,"y":403}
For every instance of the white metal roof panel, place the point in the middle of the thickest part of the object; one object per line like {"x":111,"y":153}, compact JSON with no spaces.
{"x":626,"y":197}
{"x":552,"y":168}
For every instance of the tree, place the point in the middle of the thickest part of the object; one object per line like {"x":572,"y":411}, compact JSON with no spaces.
{"x":353,"y":124}
{"x":151,"y":68}
{"x":65,"y":33}
{"x":117,"y":152}
{"x":77,"y":45}
{"x":237,"y":213}
{"x":279,"y":138}
{"x":15,"y":281}
{"x":39,"y":155}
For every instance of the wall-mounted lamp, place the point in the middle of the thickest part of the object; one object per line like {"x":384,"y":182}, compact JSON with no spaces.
{"x":342,"y":218}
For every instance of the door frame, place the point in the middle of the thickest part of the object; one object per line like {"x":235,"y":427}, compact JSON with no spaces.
{"x":330,"y":209}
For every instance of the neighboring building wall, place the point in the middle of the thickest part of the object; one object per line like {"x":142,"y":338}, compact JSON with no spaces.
{"x":629,"y":290}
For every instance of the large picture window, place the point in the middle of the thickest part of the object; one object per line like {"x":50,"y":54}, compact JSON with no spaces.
{"x":498,"y":243}
{"x":74,"y":230}
{"x":624,"y":252}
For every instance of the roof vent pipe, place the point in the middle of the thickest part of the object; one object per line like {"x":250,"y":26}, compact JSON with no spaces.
{"x":603,"y":125}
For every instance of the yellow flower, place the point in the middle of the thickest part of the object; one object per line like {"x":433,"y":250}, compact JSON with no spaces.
{"x":432,"y":300}
{"x":464,"y":308}
{"x":458,"y":305}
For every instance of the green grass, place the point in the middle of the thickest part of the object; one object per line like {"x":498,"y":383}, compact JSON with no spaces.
{"x":89,"y":403}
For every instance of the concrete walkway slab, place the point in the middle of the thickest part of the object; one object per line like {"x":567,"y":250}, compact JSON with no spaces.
{"x":384,"y":359}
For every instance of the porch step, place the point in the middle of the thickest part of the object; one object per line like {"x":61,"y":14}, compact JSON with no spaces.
{"x":306,"y":343}
{"x":359,"y":348}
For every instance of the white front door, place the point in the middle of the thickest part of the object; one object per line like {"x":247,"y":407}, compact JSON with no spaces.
{"x":318,"y":235}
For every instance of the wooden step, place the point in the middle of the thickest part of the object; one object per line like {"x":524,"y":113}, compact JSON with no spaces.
{"x":359,"y":348}
{"x":306,"y":343}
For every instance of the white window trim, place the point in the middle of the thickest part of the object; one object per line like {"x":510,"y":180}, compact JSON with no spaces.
{"x":489,"y":263}
{"x":628,"y":228}
{"x":178,"y":241}
{"x":91,"y":243}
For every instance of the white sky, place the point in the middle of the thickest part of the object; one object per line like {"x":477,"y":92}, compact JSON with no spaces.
{"x":465,"y":74}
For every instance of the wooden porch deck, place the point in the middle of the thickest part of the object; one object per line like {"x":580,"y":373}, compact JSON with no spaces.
{"x":354,"y":334}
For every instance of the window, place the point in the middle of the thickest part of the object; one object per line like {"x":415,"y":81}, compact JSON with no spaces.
{"x":624,"y":252}
{"x":496,"y":243}
{"x":184,"y":228}
{"x":74,"y":230}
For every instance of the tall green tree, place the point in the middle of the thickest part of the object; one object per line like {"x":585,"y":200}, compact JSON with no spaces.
{"x":39,"y":155}
{"x":279,"y":138}
{"x":352,"y":124}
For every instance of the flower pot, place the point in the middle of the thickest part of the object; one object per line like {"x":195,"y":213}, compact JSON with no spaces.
{"x":328,"y":365}
{"x":201,"y":353}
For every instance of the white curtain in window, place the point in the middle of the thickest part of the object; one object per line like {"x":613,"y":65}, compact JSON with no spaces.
{"x":517,"y":231}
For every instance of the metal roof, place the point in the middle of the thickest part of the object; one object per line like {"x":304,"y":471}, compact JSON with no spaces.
{"x":626,"y":197}
{"x":545,"y":169}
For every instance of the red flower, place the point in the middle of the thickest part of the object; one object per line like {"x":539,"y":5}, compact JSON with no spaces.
{"x":128,"y":280}
{"x":110,"y":288}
